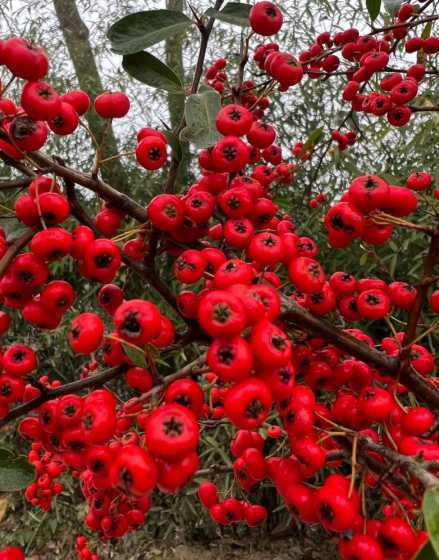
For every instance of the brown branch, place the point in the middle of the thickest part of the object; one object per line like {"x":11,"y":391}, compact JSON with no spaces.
{"x":430,"y":263}
{"x":104,"y":190}
{"x":15,"y":248}
{"x":205,"y":31}
{"x":295,"y":313}
{"x":92,"y":382}
{"x":15,"y":183}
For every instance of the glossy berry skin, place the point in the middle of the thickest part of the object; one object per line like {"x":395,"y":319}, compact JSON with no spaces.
{"x":187,"y":393}
{"x":86,"y":333}
{"x":24,"y":59}
{"x":151,"y":153}
{"x":306,"y":274}
{"x":373,"y":304}
{"x":166,"y":212}
{"x":11,"y":553}
{"x":221,"y":314}
{"x":133,"y":470}
{"x":234,"y":120}
{"x":137,"y":320}
{"x":248,"y":403}
{"x":265,"y":18}
{"x":78,"y":99}
{"x":434,"y":301}
{"x":40,"y":101}
{"x":112,"y":105}
{"x":171,"y":431}
{"x":270,"y":345}
{"x":231,"y":358}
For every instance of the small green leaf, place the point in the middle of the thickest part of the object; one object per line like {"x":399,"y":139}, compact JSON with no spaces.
{"x":373,"y":7}
{"x":174,"y":142}
{"x":427,"y":553}
{"x":151,"y":71}
{"x":430,"y":508}
{"x":426,"y":32}
{"x":138,"y":31}
{"x":233,"y":12}
{"x":15,"y":472}
{"x":136,"y":356}
{"x":200,"y":113}
{"x":312,"y":140}
{"x":363,"y":259}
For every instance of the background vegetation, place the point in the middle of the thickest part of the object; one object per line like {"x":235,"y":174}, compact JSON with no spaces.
{"x":74,"y":34}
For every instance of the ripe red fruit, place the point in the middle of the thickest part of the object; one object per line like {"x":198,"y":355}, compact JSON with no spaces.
{"x":230,"y":154}
{"x":78,"y":99}
{"x":139,"y":378}
{"x":19,"y":360}
{"x":187,"y":393}
{"x":28,"y":135}
{"x":133,"y":470}
{"x":221,"y":314}
{"x":151,"y":152}
{"x":231,"y":358}
{"x":112,"y":105}
{"x":24,"y":59}
{"x":306,"y":274}
{"x":375,"y":403}
{"x":270,"y":345}
{"x":368,"y":192}
{"x":137,"y":321}
{"x":85,"y":333}
{"x":166,"y":212}
{"x":434,"y":301}
{"x":402,"y":295}
{"x":261,"y":135}
{"x":234,"y":120}
{"x":248,"y":403}
{"x":65,"y":121}
{"x":40,"y":101}
{"x":373,"y":304}
{"x":101,"y":260}
{"x":171,"y":432}
{"x":419,"y":181}
{"x":57,"y":296}
{"x":190,"y":266}
{"x":51,"y":243}
{"x":11,"y":553}
{"x":265,"y":18}
{"x":417,"y":421}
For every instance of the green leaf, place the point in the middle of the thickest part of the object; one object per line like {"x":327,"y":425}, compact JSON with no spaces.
{"x":427,"y":553}
{"x":430,"y":508}
{"x":233,"y":12}
{"x":373,"y":7}
{"x":151,"y":71}
{"x":363,"y":259}
{"x":15,"y":472}
{"x":312,"y":140}
{"x":136,"y":356}
{"x":200,"y":113}
{"x":174,"y":142}
{"x":138,"y":31}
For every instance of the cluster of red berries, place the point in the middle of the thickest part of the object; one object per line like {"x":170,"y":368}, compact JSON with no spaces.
{"x":236,"y":252}
{"x":355,"y":216}
{"x":230,"y":510}
{"x":83,"y":551}
{"x":344,"y":140}
{"x":25,"y":128}
{"x":47,"y":468}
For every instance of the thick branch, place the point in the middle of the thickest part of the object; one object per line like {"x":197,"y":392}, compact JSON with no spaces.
{"x":104,"y":190}
{"x":92,"y":382}
{"x":15,"y":248}
{"x":306,"y":321}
